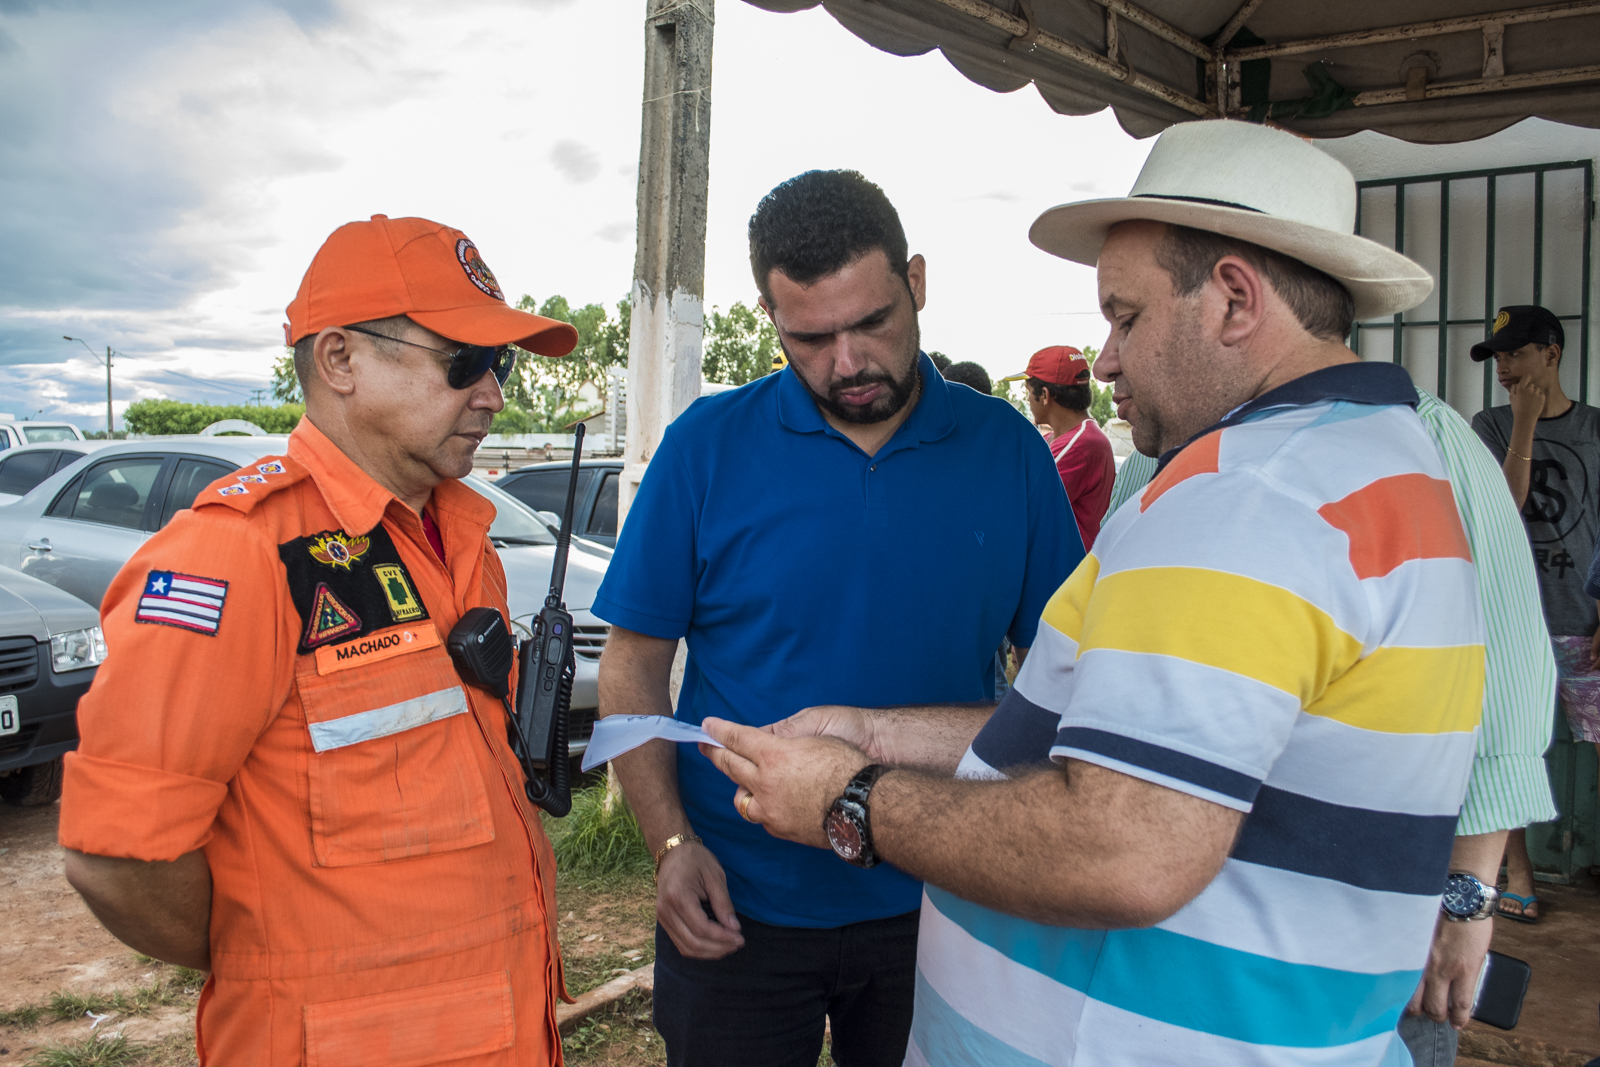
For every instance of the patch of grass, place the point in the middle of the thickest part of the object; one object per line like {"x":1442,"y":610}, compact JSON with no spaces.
{"x":175,"y":989}
{"x":620,"y":1035}
{"x":91,"y":1051}
{"x":179,"y":985}
{"x":27,"y":1015}
{"x":599,"y":837}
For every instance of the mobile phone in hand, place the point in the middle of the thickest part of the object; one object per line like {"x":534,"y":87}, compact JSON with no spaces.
{"x":1502,"y":984}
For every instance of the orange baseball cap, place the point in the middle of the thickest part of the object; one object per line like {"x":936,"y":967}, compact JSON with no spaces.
{"x":1058,"y":365}
{"x":428,"y":272}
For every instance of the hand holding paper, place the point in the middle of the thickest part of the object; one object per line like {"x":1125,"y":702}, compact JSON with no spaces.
{"x":617,"y":734}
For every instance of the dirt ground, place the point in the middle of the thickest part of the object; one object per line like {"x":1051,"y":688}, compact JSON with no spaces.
{"x":59,"y":962}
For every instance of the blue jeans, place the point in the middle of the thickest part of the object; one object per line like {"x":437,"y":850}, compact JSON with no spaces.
{"x":765,"y":1005}
{"x":1432,"y":1044}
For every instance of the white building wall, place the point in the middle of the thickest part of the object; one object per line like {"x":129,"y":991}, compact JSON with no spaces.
{"x":1533,"y":141}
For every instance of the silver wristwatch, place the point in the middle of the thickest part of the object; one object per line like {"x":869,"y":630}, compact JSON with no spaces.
{"x":1467,"y":899}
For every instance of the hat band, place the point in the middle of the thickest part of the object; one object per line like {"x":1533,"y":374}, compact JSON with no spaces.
{"x":1197,"y":200}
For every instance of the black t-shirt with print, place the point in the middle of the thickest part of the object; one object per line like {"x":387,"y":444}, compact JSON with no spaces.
{"x":1563,"y":507}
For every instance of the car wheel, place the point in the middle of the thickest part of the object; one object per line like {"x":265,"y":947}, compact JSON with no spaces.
{"x":33,"y":787}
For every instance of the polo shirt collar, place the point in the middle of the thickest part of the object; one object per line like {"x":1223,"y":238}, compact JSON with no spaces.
{"x":356,"y":499}
{"x":1357,"y":383}
{"x":932,"y":418}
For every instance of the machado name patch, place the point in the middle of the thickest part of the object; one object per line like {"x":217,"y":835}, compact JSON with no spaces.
{"x":186,"y":601}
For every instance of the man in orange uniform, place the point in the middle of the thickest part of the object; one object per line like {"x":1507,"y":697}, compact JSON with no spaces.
{"x":283,"y":780}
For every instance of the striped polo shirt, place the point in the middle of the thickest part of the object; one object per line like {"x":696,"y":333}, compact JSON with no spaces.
{"x":1286,"y":622}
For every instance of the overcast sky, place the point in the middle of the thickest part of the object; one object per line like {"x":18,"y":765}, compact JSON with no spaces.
{"x":168,"y":168}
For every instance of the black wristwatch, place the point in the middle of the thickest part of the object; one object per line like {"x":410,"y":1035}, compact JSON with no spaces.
{"x":1466,"y":899}
{"x":847,"y":823}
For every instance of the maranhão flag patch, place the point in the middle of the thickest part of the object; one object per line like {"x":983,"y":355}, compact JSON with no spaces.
{"x":186,"y":601}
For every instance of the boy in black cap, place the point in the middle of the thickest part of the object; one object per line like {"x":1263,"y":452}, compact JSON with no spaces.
{"x":1549,"y":448}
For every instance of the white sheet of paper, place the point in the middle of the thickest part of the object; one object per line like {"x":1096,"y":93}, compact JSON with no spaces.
{"x":616,"y":734}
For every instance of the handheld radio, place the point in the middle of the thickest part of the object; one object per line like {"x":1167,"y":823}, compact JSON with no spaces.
{"x":539,"y":718}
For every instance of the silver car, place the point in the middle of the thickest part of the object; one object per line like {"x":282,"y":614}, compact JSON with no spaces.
{"x":50,"y":643}
{"x":76,"y":529}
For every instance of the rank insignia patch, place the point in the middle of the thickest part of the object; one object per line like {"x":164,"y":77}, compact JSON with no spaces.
{"x":186,"y":601}
{"x":233,"y":490}
{"x":338,"y":549}
{"x":403,"y":603}
{"x":330,"y":619}
{"x":251,"y":478}
{"x":272,"y":468}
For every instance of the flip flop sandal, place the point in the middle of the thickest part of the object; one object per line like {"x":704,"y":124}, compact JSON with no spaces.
{"x":1518,"y":917}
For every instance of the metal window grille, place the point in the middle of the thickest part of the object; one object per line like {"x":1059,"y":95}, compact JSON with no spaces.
{"x":1510,"y":235}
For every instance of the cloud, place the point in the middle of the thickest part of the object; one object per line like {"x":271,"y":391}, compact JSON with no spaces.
{"x":617,"y":231}
{"x":576,"y":161}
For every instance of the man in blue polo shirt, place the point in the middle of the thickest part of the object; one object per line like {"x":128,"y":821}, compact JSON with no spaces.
{"x":847,"y":531}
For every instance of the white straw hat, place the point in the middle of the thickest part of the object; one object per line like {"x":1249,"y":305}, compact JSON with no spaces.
{"x":1257,"y":184}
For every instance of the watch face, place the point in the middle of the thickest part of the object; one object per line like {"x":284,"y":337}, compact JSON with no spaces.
{"x":844,"y":834}
{"x":1462,"y":896}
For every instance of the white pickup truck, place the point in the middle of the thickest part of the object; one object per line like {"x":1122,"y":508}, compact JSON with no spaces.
{"x":13,"y":433}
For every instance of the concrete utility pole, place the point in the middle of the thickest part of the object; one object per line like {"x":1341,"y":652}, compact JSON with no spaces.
{"x":670,"y":265}
{"x":107,"y":361}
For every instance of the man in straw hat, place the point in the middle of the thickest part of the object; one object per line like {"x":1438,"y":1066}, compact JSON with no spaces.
{"x":1212,"y":821}
{"x":283,"y":780}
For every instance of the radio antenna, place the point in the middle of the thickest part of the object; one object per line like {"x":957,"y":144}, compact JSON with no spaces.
{"x":558,"y":572}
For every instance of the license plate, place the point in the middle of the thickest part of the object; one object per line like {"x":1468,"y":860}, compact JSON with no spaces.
{"x":10,"y":718}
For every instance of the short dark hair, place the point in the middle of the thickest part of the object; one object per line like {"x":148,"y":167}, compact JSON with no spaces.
{"x":820,"y":222}
{"x":969,"y":373}
{"x":1075,"y":397}
{"x":303,"y":366}
{"x":1324,"y":307}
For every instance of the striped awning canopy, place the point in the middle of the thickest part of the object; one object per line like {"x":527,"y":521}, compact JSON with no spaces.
{"x":1429,"y":71}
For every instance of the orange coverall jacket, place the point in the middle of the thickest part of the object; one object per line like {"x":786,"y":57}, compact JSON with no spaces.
{"x":278,"y":693}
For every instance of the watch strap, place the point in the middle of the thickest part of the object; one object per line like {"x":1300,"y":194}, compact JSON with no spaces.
{"x":859,"y":792}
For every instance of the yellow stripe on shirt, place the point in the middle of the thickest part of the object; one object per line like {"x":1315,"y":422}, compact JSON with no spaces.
{"x":1220,"y":620}
{"x":1064,"y":611}
{"x":1409,"y":691}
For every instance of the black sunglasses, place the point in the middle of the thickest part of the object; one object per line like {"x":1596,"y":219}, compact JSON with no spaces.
{"x":467,"y":363}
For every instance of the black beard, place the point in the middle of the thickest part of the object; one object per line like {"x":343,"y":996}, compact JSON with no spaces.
{"x":899,"y":394}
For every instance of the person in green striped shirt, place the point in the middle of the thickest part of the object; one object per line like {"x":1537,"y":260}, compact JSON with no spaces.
{"x":1509,"y":787}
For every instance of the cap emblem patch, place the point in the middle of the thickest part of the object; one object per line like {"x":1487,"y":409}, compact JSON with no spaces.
{"x":1501,"y":321}
{"x":478,"y":271}
{"x":338,"y":549}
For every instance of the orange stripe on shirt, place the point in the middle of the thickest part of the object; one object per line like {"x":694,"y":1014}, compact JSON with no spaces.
{"x":1199,"y":457}
{"x":1394,"y":520}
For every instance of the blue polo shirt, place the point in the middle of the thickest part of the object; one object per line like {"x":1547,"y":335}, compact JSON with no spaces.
{"x":803,"y":571}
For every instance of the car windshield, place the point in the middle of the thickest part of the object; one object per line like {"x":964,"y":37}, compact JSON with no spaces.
{"x":40,"y":434}
{"x":514,"y":522}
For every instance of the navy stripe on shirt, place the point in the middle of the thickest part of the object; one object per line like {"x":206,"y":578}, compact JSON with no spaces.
{"x":1164,"y":761}
{"x":1378,"y":850}
{"x":1018,"y":734}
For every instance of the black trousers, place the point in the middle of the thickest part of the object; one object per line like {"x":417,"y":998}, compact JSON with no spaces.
{"x":765,"y":1005}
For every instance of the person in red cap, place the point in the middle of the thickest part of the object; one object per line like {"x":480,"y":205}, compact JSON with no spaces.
{"x":1059,"y":395}
{"x":283,"y":780}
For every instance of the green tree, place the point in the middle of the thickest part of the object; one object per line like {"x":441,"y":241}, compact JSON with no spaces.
{"x":285,"y":382}
{"x":1101,"y":406}
{"x":549,"y":389}
{"x":739,"y":345}
{"x":175,"y":416}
